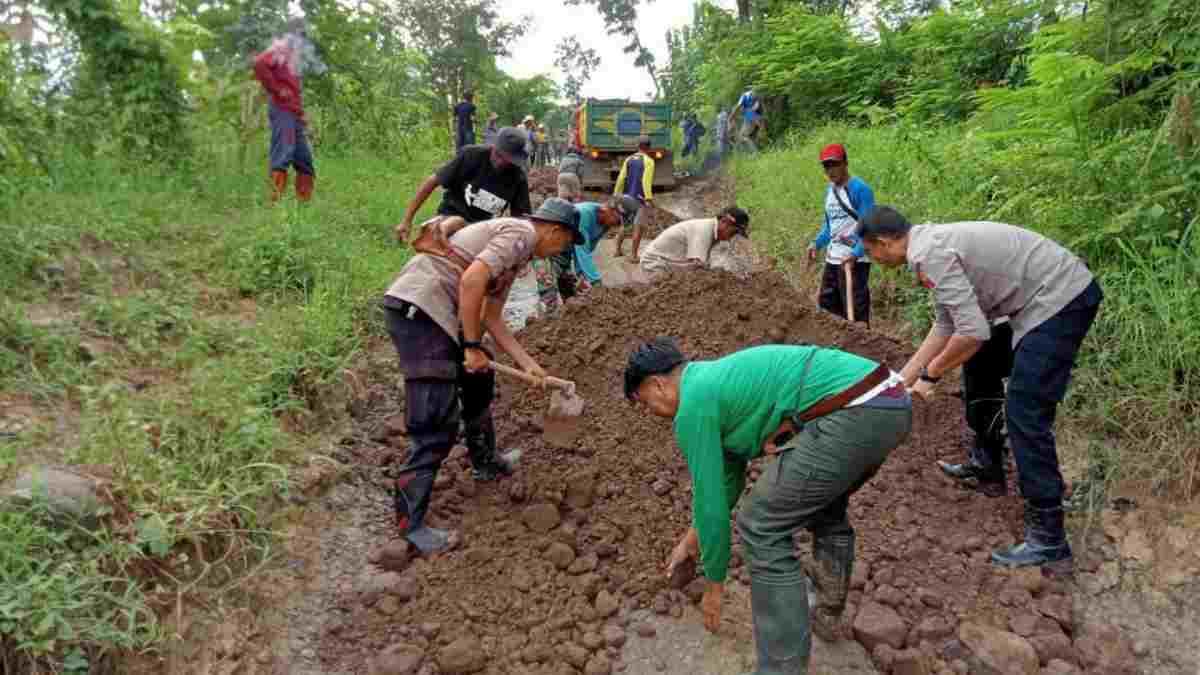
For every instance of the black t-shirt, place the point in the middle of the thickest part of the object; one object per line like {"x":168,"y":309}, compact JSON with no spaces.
{"x":464,"y":111}
{"x":476,"y":190}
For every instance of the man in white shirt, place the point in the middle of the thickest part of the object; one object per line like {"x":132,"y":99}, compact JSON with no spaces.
{"x":686,"y":245}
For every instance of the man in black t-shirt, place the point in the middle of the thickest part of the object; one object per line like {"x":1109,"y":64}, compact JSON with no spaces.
{"x":464,"y":125}
{"x":481,"y":183}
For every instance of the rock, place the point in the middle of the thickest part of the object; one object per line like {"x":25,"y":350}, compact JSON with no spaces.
{"x":605,"y":550}
{"x":1030,"y":578}
{"x":862,"y":572}
{"x":934,"y":629}
{"x":583,"y":564}
{"x":878,"y":624}
{"x":1015,"y":595}
{"x":695,"y":590}
{"x":1059,"y":667}
{"x":884,"y":656}
{"x":606,"y":604}
{"x":581,"y":490}
{"x":560,"y":554}
{"x":393,"y":556}
{"x":592,"y":641}
{"x":464,"y":655}
{"x":574,"y":654}
{"x":517,"y":492}
{"x":1059,"y":608}
{"x":683,"y":574}
{"x":890,"y":595}
{"x":541,"y":518}
{"x":660,"y":487}
{"x":399,"y":659}
{"x":999,"y":650}
{"x":598,"y":665}
{"x":1105,"y":649}
{"x":1053,"y":647}
{"x":521,"y":580}
{"x":389,"y":605}
{"x":589,"y":584}
{"x":1024,"y":624}
{"x":910,"y":662}
{"x":661,"y":604}
{"x":646,"y":630}
{"x":429,"y":630}
{"x":614,"y":636}
{"x":372,"y":587}
{"x":69,"y":497}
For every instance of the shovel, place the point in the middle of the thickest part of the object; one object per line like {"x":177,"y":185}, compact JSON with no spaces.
{"x":848,"y":268}
{"x":561,"y":423}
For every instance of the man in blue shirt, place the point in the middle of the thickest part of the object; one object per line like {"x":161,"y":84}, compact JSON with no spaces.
{"x":848,"y":200}
{"x":464,"y":115}
{"x":559,"y":275}
{"x":752,"y":118}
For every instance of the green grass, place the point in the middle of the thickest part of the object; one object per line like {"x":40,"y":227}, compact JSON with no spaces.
{"x":159,"y":268}
{"x":1135,"y":388}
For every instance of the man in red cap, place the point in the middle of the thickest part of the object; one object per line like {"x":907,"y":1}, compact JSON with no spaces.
{"x":848,"y":200}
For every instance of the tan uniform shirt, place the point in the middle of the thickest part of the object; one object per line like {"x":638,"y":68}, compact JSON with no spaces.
{"x":431,"y":282}
{"x":679,"y":245}
{"x":981,"y":271}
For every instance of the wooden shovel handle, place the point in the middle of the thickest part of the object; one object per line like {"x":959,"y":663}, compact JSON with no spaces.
{"x":848,"y":268}
{"x":552,"y":382}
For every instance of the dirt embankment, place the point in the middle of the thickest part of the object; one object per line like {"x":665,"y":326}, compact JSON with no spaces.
{"x":556,"y":562}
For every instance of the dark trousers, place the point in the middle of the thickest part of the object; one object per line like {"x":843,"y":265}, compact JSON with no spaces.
{"x":983,"y":391}
{"x":1040,"y":370}
{"x":833,"y":291}
{"x":439,"y":394}
{"x":463,"y":138}
{"x":289,"y":144}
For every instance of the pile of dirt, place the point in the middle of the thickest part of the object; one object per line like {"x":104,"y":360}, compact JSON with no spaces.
{"x":553,"y":561}
{"x":543,"y":182}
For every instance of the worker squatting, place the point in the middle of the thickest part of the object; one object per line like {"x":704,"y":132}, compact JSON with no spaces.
{"x":1008,"y":303}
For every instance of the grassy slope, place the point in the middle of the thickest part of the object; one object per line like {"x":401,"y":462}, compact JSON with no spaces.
{"x":190,"y":335}
{"x":1129,"y":412}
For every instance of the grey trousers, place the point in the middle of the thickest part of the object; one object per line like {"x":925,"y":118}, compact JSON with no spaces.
{"x":808,"y":485}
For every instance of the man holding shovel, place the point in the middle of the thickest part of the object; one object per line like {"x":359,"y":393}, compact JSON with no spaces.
{"x":437,"y":311}
{"x":830,"y":417}
{"x":844,"y":289}
{"x":980,"y":271}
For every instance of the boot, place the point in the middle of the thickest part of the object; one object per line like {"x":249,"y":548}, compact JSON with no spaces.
{"x":833,"y":558}
{"x":304,"y":186}
{"x":410,"y":496}
{"x":486,"y":464}
{"x":781,"y":637}
{"x":984,"y":468}
{"x":1045,"y":542}
{"x":278,"y":185}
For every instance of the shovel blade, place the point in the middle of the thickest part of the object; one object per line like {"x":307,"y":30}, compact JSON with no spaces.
{"x":563,"y":419}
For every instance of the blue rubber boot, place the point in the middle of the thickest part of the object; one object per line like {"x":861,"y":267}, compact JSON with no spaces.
{"x":1045,"y":542}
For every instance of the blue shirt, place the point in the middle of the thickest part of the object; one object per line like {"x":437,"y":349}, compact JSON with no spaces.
{"x":748,"y":101}
{"x":593,"y":232}
{"x":840,"y":228}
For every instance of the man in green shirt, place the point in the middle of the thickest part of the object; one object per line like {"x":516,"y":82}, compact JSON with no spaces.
{"x":829,"y":417}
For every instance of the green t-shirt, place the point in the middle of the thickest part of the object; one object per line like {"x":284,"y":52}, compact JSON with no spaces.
{"x":729,"y":407}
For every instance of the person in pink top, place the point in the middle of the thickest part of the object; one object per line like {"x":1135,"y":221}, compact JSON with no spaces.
{"x":278,"y":69}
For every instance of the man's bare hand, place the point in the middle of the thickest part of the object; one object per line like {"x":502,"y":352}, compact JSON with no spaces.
{"x":923,"y":389}
{"x":812,"y":254}
{"x":688,"y":546}
{"x":536,"y":371}
{"x":476,"y":361}
{"x":402,"y":231}
{"x":710,"y":605}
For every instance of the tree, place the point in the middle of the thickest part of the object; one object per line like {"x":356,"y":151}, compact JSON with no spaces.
{"x":577,"y":65}
{"x":460,"y":40}
{"x":513,"y":98}
{"x":620,"y":18}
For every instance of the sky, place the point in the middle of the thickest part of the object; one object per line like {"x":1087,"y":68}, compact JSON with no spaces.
{"x":617,"y":77}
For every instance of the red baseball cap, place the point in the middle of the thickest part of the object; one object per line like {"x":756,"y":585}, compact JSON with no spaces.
{"x":833,"y":151}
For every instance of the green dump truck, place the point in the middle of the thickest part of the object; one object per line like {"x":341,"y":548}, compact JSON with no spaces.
{"x":608,"y":131}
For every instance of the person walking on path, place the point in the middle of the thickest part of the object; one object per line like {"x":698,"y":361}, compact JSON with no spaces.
{"x":848,"y":199}
{"x":687,"y":245}
{"x":480,"y":183}
{"x":636,"y":180}
{"x":692,"y":132}
{"x":753,"y":120}
{"x":464,"y":122}
{"x":491,"y":130}
{"x":278,"y":70}
{"x":977,"y":272}
{"x":437,"y":312}
{"x":829,"y":418}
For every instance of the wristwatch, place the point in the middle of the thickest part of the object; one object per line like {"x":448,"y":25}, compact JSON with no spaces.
{"x":926,"y":377}
{"x":471,"y":344}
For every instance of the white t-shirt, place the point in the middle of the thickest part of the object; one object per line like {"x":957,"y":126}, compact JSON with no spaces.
{"x":679,"y":244}
{"x":841,"y":224}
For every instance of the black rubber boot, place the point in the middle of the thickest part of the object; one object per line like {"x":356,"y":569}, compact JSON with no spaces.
{"x":833,"y":565}
{"x":781,"y":637}
{"x":410,"y":495}
{"x":1045,"y":542}
{"x":486,"y":464}
{"x":984,"y":470}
